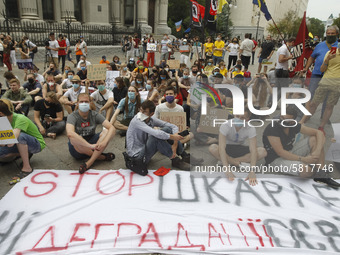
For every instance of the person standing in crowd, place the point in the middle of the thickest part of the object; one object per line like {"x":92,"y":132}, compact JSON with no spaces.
{"x":129,"y":49}
{"x":31,"y":47}
{"x":196,"y":49}
{"x":52,"y":50}
{"x":7,"y":44}
{"x":246,"y":50}
{"x":185,"y":50}
{"x":233,"y":49}
{"x":69,"y":51}
{"x":266,"y":52}
{"x":218,"y":50}
{"x":253,"y":51}
{"x":2,"y":37}
{"x":136,"y":43}
{"x":23,"y":49}
{"x":151,"y":53}
{"x":144,"y":43}
{"x":317,"y":57}
{"x":83,"y":46}
{"x":30,"y":141}
{"x":165,"y":48}
{"x":13,"y":51}
{"x":62,"y":52}
{"x":208,"y":49}
{"x":78,"y":51}
{"x":49,"y":116}
{"x":18,"y":96}
{"x":33,"y":87}
{"x":84,"y":143}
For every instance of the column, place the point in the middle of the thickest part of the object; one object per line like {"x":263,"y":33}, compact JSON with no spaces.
{"x":29,"y":9}
{"x":116,"y":12}
{"x":162,"y":27}
{"x":143,"y":17}
{"x":67,"y":9}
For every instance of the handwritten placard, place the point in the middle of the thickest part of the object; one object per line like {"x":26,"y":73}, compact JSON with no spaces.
{"x":96,"y":72}
{"x":110,"y":79}
{"x":6,"y":132}
{"x":207,"y":121}
{"x":173,"y":64}
{"x":151,"y":47}
{"x":176,"y":118}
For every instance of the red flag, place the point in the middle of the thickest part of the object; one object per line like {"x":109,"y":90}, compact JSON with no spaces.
{"x":213,"y":7}
{"x":302,"y":50}
{"x":197,"y":11}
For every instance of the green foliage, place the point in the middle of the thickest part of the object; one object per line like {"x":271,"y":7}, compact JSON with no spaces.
{"x":224,"y":22}
{"x":288,"y":25}
{"x":337,"y":21}
{"x":316,"y":27}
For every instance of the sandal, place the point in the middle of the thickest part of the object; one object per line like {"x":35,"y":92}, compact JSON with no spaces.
{"x":22,"y":175}
{"x":109,"y":156}
{"x":83,"y":168}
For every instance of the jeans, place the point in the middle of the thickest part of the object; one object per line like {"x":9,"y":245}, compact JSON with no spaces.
{"x":55,"y":127}
{"x":63,"y":59}
{"x":282,"y":80}
{"x":313,"y":85}
{"x":32,"y":143}
{"x":23,"y":110}
{"x":188,"y":110}
{"x":165,"y":56}
{"x":245,"y":61}
{"x":217,"y":60}
{"x":232,"y":61}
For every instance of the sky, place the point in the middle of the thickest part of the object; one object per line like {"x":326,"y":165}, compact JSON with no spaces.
{"x":322,"y":9}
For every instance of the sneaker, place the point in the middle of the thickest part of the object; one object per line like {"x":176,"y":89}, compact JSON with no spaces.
{"x":322,"y":130}
{"x":192,"y":160}
{"x":329,"y":181}
{"x":180,"y":164}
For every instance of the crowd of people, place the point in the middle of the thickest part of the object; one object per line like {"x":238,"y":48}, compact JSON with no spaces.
{"x":62,"y":98}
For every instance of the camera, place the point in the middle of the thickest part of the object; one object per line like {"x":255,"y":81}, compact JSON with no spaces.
{"x":47,"y":42}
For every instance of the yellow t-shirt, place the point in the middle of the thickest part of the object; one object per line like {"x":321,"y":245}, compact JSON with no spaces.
{"x":237,"y":73}
{"x":332,"y":74}
{"x":219,"y":45}
{"x":224,"y":71}
{"x":208,"y":47}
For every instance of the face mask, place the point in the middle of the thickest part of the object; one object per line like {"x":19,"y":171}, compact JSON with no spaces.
{"x":115,"y":85}
{"x":148,"y":87}
{"x":331,"y":39}
{"x":165,"y":38}
{"x":35,"y":74}
{"x":101,"y":87}
{"x":75,"y":85}
{"x":141,"y":67}
{"x":104,"y":59}
{"x":139,"y":82}
{"x":131,"y":95}
{"x":70,"y":77}
{"x":296,"y":85}
{"x":218,"y":39}
{"x":154,"y":70}
{"x":166,"y":69}
{"x":163,"y":78}
{"x":51,"y":68}
{"x":47,"y":103}
{"x":170,"y":99}
{"x":222,"y":67}
{"x":185,"y":76}
{"x":66,"y":71}
{"x":238,"y":122}
{"x":209,"y":64}
{"x":216,"y":73}
{"x":142,"y":116}
{"x":131,"y":62}
{"x":194,"y":71}
{"x":83,"y":68}
{"x":234,"y":41}
{"x":125,"y":68}
{"x":51,"y":84}
{"x":184,"y":43}
{"x":236,"y":69}
{"x":30,"y":80}
{"x":84,"y":107}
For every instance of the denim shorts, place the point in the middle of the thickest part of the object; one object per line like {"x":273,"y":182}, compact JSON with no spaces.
{"x":93,"y":140}
{"x":32,"y":143}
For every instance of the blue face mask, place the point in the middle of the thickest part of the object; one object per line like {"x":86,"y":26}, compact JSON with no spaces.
{"x":84,"y":107}
{"x":101,"y":87}
{"x":75,"y":85}
{"x":131,"y":95}
{"x":115,"y":85}
{"x":125,"y":68}
{"x":83,"y":68}
{"x":296,"y":85}
{"x":70,"y":77}
{"x":209,"y":64}
{"x":163,"y":78}
{"x":238,"y":122}
{"x":148,"y":87}
{"x":66,"y":71}
{"x":216,"y":73}
{"x":139,"y":82}
{"x":185,"y":76}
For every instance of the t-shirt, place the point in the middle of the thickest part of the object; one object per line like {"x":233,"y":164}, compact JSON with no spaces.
{"x":53,"y":45}
{"x":208,"y":47}
{"x":283,"y":50}
{"x":72,"y":95}
{"x":67,"y":84}
{"x":99,"y":99}
{"x":52,"y":110}
{"x":85,"y":127}
{"x":33,"y":86}
{"x":164,"y":108}
{"x":319,"y":54}
{"x":247,"y":47}
{"x":137,"y":42}
{"x":278,"y":131}
{"x":233,"y":47}
{"x":332,"y":75}
{"x":234,"y":137}
{"x":82,"y":75}
{"x":82,"y":61}
{"x":267,"y":48}
{"x":82,"y":47}
{"x":62,"y":52}
{"x":131,"y":108}
{"x":164,"y":47}
{"x":23,"y":123}
{"x":119,"y":94}
{"x":218,"y":45}
{"x":104,"y":62}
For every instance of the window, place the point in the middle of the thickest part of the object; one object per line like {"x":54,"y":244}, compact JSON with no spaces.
{"x":48,"y":9}
{"x":77,"y":10}
{"x":12,"y":8}
{"x":129,"y":12}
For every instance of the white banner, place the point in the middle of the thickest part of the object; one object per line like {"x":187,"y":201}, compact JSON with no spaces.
{"x":151,"y":47}
{"x":6,"y":132}
{"x":119,"y":212}
{"x":110,"y":79}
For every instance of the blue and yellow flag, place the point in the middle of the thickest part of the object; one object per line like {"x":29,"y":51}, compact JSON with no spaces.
{"x":221,"y":3}
{"x":263,"y":8}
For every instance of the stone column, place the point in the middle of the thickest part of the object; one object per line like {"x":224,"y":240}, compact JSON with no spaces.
{"x":116,"y":12}
{"x":67,"y":9}
{"x":143,"y":11}
{"x":162,"y":26}
{"x":29,"y":9}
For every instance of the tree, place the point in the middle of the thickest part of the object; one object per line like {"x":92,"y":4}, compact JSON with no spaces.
{"x":316,"y":27}
{"x":288,"y":25}
{"x":224,"y":22}
{"x":337,"y":21}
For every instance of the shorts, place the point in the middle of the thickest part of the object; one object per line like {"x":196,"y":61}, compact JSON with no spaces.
{"x":236,"y":151}
{"x":261,"y":60}
{"x":301,"y":148}
{"x":91,"y":140}
{"x":325,"y":90}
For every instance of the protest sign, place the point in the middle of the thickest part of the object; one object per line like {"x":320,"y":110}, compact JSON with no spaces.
{"x":110,"y":79}
{"x":184,"y":48}
{"x":208,"y":122}
{"x":25,"y":63}
{"x":173,"y":64}
{"x":6,"y":132}
{"x":151,"y":47}
{"x":143,"y":95}
{"x":96,"y":72}
{"x":176,"y":118}
{"x":119,"y":212}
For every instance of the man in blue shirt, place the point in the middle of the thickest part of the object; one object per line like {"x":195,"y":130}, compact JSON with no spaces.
{"x":318,"y":56}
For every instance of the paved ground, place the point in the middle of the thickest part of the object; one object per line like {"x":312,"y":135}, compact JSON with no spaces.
{"x":56,"y":155}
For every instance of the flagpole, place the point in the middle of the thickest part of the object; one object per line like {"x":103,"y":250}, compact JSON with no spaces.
{"x":279,"y":31}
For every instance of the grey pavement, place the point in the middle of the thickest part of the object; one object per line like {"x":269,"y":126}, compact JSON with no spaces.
{"x":56,"y":155}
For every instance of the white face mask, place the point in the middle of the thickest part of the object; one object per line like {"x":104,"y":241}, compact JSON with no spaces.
{"x":142,"y":116}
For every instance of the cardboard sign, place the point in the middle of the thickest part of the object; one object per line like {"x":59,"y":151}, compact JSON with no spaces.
{"x":25,"y":63}
{"x":151,"y":47}
{"x":177,"y":118}
{"x":173,"y":64}
{"x":110,"y":79}
{"x":96,"y":72}
{"x":184,"y":48}
{"x":6,"y":132}
{"x":207,"y":121}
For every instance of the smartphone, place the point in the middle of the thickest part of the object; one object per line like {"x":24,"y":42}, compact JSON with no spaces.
{"x":333,"y":50}
{"x":184,"y":133}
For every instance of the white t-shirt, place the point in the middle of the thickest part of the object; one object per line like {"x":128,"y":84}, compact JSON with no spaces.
{"x":40,"y":78}
{"x":243,"y":134}
{"x":283,"y":50}
{"x":82,"y":47}
{"x":164,"y":47}
{"x":54,"y":45}
{"x":247,"y":47}
{"x":98,"y":99}
{"x":82,"y":61}
{"x":164,"y":108}
{"x":68,"y":83}
{"x":233,"y":47}
{"x":73,"y":95}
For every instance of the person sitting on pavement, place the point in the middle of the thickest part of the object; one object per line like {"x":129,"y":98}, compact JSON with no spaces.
{"x":143,"y":141}
{"x":69,"y":99}
{"x":231,"y":148}
{"x":30,"y":141}
{"x":37,"y":76}
{"x":82,"y":60}
{"x":129,"y":105}
{"x":141,"y":69}
{"x":119,"y":90}
{"x":33,"y":87}
{"x":65,"y":74}
{"x":67,"y":83}
{"x":52,"y":70}
{"x":139,"y":82}
{"x":153,"y":93}
{"x":111,"y":67}
{"x":49,"y":116}
{"x":84,"y":143}
{"x":103,"y":99}
{"x":51,"y":85}
{"x":83,"y":72}
{"x":19,"y":97}
{"x":282,"y":151}
{"x":104,"y":60}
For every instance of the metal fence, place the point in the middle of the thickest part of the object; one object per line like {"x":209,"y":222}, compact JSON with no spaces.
{"x":38,"y":31}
